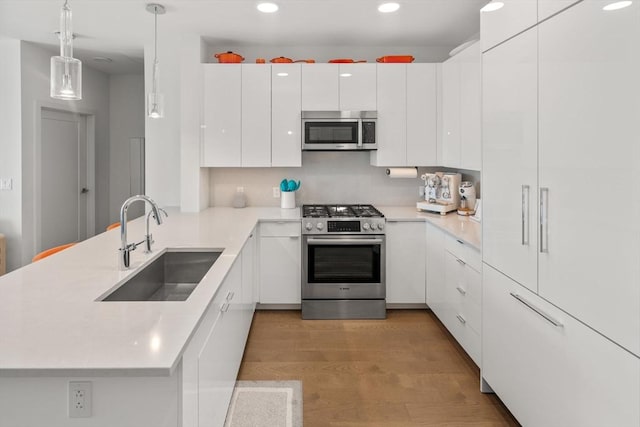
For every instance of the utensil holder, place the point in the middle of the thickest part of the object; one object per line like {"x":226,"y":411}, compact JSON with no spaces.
{"x":288,"y":199}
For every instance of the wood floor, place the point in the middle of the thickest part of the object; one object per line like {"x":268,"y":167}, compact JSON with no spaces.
{"x":403,"y":371}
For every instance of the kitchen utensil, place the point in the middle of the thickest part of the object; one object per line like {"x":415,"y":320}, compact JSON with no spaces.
{"x":229,"y":57}
{"x":292,"y":185}
{"x":298,"y":186}
{"x":261,"y":61}
{"x":345,"y":61}
{"x":281,"y":60}
{"x":396,"y":59}
{"x":284,"y":186}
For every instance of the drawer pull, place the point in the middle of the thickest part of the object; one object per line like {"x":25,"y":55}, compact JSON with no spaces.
{"x":230,"y":296}
{"x":544,"y":220}
{"x":461,"y":319}
{"x":460,"y":241}
{"x":224,"y":307}
{"x":462,"y":291}
{"x":461,"y":262}
{"x":547,"y":317}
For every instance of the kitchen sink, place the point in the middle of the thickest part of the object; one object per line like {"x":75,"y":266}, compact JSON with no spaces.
{"x":170,"y":277}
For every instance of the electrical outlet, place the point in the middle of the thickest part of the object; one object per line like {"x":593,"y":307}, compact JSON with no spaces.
{"x":6,"y":183}
{"x":79,"y":399}
{"x":276,"y":192}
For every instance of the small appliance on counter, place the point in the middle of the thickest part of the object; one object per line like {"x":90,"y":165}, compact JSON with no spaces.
{"x":440,"y":192}
{"x":467,"y":198}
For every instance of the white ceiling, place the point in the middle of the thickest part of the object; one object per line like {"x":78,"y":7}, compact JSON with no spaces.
{"x":119,"y":28}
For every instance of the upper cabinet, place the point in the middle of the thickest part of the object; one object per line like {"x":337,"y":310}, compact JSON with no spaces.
{"x":461,"y":107}
{"x":407,"y":123}
{"x":286,"y":107}
{"x":512,"y":18}
{"x":338,"y":87}
{"x":237,"y":116}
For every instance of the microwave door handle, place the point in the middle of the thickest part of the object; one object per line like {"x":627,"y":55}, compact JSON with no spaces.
{"x":360,"y":133}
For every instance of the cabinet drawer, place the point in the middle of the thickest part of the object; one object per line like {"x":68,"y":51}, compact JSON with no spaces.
{"x":561,"y":374}
{"x":459,"y":326}
{"x":280,"y":229}
{"x":464,"y":252}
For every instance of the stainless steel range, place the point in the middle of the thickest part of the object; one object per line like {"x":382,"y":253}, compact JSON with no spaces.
{"x":343,"y":262}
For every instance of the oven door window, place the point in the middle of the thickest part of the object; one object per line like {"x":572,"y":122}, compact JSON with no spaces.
{"x":344,"y":264}
{"x":331,"y":132}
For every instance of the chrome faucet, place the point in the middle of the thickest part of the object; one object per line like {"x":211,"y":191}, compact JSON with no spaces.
{"x":148,"y":238}
{"x":127,"y":248}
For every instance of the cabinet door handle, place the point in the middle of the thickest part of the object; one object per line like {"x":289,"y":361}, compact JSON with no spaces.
{"x":460,"y":241}
{"x":462,"y":291}
{"x":230,"y":296}
{"x":461,"y":262}
{"x":544,"y":218}
{"x":224,"y":307}
{"x":461,"y":319}
{"x":544,"y":315}
{"x":525,"y":215}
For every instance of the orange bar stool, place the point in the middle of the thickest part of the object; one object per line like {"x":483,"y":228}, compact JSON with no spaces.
{"x":51,"y":251}
{"x":114,"y":225}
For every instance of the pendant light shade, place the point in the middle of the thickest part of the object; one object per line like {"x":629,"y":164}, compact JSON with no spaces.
{"x":155,"y":100}
{"x":66,"y":71}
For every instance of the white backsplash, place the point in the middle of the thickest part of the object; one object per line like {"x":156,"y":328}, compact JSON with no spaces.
{"x":326,"y":177}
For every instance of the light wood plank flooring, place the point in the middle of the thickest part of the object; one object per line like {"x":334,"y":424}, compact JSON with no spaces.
{"x":403,"y":371}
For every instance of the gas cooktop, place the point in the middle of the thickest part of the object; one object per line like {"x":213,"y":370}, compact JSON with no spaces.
{"x":340,"y":211}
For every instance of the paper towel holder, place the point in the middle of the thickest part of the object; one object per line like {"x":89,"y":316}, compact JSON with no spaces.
{"x":411,"y":172}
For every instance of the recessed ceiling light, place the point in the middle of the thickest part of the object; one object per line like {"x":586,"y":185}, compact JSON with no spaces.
{"x":282,"y":74}
{"x":267,"y":7}
{"x":492,"y":6}
{"x":345,"y":75}
{"x":617,"y":5}
{"x":388,"y":7}
{"x":102,"y":59}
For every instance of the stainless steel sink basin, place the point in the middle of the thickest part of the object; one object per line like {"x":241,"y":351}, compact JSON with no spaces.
{"x":170,"y":277}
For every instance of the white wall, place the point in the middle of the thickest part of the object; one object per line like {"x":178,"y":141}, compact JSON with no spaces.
{"x":326,"y":177}
{"x":10,"y":153}
{"x":126,"y":120}
{"x":35,"y":64}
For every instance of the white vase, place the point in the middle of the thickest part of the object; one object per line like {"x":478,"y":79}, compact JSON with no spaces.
{"x":288,"y":199}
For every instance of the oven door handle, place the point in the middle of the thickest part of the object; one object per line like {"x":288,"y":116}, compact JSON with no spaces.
{"x":344,"y":241}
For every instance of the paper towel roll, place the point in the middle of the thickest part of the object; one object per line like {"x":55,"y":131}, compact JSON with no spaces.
{"x":402,"y":172}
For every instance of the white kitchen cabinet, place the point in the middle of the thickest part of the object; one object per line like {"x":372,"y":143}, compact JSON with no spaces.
{"x":407,"y":115}
{"x":338,"y":87}
{"x":513,"y":18}
{"x":220,"y":357}
{"x":510,"y":144}
{"x":405,"y":266}
{"x":280,"y":263}
{"x":256,"y":115}
{"x":461,"y":107}
{"x":553,"y":375}
{"x":249,"y":293}
{"x":320,"y":87}
{"x":358,"y":87}
{"x":435,"y":266}
{"x":237,"y":116}
{"x":222,"y":115}
{"x":546,"y":8}
{"x":286,"y":107}
{"x":588,"y":150}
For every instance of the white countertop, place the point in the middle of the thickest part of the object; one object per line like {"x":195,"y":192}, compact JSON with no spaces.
{"x":51,"y":323}
{"x":460,"y":227}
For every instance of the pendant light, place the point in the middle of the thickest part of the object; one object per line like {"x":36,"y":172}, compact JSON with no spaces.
{"x":155,"y":100}
{"x":66,"y":71}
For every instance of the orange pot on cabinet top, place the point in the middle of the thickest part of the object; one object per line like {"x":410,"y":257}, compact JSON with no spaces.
{"x":229,"y":57}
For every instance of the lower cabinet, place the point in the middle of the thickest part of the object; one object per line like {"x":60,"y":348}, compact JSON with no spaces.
{"x":548,"y":368}
{"x":454,"y":288}
{"x":405,"y":269}
{"x":279,"y":266}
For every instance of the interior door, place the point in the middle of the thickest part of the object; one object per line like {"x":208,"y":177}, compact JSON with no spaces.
{"x":63,"y":179}
{"x":509,"y":150}
{"x":589,"y":122}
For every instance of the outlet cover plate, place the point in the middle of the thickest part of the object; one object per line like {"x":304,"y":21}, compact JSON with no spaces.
{"x":79,"y":399}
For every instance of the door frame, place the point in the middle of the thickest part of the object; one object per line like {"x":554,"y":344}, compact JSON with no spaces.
{"x":90,"y":117}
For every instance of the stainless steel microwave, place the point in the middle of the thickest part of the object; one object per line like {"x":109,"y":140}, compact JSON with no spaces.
{"x":339,"y":130}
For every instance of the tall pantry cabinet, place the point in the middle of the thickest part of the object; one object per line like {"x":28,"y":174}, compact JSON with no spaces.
{"x":561,"y":279}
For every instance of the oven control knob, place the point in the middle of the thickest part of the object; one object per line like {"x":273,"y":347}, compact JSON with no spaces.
{"x":380,"y":226}
{"x":319,"y":226}
{"x":308,"y":226}
{"x":365,"y":226}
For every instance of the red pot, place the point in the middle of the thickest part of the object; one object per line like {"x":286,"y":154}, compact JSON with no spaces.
{"x":345,"y":61}
{"x":229,"y":58}
{"x":396,"y":59}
